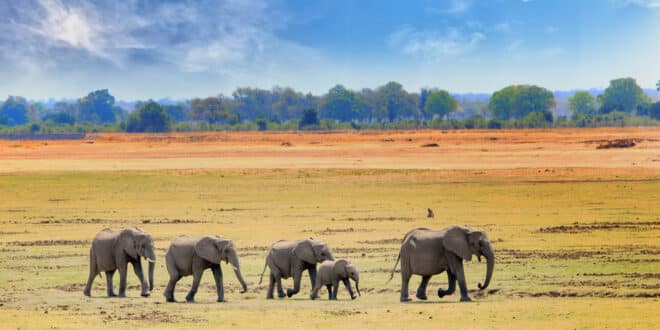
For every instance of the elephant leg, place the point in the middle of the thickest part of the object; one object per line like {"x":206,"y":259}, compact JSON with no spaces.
{"x":297,"y":274}
{"x":271,"y":286}
{"x":92,"y":274}
{"x":421,"y":291}
{"x":316,"y":288}
{"x":219,"y":286}
{"x":312,"y":275}
{"x":347,"y":284}
{"x":169,"y":291}
{"x":197,"y":277}
{"x":452,"y":285}
{"x":123,"y":269}
{"x":280,"y":290}
{"x":137,"y":268}
{"x":405,"y":279}
{"x":108,"y":280}
{"x":329,"y":287}
{"x":460,"y":276}
{"x":335,"y":288}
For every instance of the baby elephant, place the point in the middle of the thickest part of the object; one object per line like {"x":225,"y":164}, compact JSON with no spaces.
{"x":191,"y":256}
{"x":330,"y":273}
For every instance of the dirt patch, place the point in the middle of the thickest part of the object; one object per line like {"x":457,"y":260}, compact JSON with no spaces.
{"x":520,"y":254}
{"x":13,"y":232}
{"x":362,"y":251}
{"x":48,"y":243}
{"x":367,"y":219}
{"x":618,"y":143}
{"x":71,"y":221}
{"x":343,"y":312}
{"x":430,"y":145}
{"x":171,"y":221}
{"x":52,"y":256}
{"x":154,"y":316}
{"x":627,"y":275}
{"x":331,"y":231}
{"x":382,"y":241}
{"x":577,"y":227}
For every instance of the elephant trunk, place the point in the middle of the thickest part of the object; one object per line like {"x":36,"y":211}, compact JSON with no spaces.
{"x":357,"y":287}
{"x":490,"y":265}
{"x":233,"y":260}
{"x":152,"y":265}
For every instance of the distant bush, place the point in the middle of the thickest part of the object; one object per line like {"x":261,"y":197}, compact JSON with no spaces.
{"x":149,"y":118}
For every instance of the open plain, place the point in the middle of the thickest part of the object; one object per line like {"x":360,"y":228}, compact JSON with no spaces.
{"x":575,"y":227}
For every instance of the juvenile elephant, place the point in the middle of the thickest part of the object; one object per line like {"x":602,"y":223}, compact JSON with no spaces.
{"x":330,"y":273}
{"x":289,"y":259}
{"x":427,"y":252}
{"x":112,"y":250}
{"x":191,"y":256}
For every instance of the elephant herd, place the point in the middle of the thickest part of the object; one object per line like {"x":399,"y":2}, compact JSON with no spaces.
{"x":423,"y":252}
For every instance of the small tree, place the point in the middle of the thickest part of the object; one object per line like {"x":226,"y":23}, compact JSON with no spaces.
{"x":440,"y":103}
{"x":582,"y":103}
{"x":149,"y":118}
{"x":310,"y":119}
{"x":212,"y":110}
{"x":622,"y":95}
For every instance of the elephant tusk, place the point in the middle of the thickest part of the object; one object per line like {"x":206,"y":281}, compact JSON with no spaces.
{"x":151,"y":260}
{"x":479,"y":257}
{"x":235,"y":268}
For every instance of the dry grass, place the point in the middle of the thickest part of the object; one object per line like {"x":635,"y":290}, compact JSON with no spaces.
{"x":576,"y":247}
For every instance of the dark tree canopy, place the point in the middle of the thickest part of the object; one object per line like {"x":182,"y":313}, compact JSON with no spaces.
{"x":309,"y":118}
{"x":15,"y":111}
{"x":517,"y":101}
{"x":393,"y":102}
{"x":150,"y":117}
{"x":622,"y":95}
{"x":98,"y":107}
{"x":440,"y":104}
{"x":339,"y":104}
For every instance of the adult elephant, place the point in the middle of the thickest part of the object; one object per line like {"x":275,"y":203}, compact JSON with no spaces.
{"x":289,"y":259}
{"x":112,"y":250}
{"x":191,"y":256}
{"x":427,"y":252}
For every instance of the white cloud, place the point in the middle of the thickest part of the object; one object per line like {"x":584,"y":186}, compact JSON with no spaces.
{"x":433,"y":45}
{"x":651,"y":4}
{"x":453,"y":7}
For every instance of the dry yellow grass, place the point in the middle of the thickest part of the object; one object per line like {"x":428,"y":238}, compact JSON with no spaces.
{"x":601,"y":269}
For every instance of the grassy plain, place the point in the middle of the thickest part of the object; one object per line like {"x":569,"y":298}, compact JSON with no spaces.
{"x":576,"y":229}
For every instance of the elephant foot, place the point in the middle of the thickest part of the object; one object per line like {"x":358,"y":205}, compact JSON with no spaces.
{"x":121,"y":295}
{"x":221,"y":300}
{"x":87,"y":293}
{"x":112,"y":294}
{"x":289,"y":293}
{"x":442,"y":293}
{"x":170,"y":299}
{"x":405,"y":299}
{"x":466,"y":298}
{"x":353,"y":297}
{"x":145,"y":294}
{"x":421,"y":296}
{"x":281,"y":295}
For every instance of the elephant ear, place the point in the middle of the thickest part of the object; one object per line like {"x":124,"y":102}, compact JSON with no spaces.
{"x":305,"y":251}
{"x":339,"y":268}
{"x":456,"y":241}
{"x":474,"y":237}
{"x":208,"y":249}
{"x":128,"y":242}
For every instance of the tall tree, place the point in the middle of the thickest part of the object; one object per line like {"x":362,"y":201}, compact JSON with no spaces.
{"x":582,"y":103}
{"x":15,"y":110}
{"x":622,"y":95}
{"x":150,"y":117}
{"x":98,"y":107}
{"x":517,"y":101}
{"x":440,"y":104}
{"x":393,"y":102}
{"x":211,"y":110}
{"x":339,"y":104}
{"x":657,"y":85}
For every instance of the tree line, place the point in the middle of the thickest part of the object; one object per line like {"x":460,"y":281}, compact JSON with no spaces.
{"x":388,"y":106}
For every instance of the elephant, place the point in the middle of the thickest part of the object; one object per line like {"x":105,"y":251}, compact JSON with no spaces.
{"x":289,"y":258}
{"x":427,"y":252}
{"x":191,"y":256}
{"x":330,"y":273}
{"x":112,"y":250}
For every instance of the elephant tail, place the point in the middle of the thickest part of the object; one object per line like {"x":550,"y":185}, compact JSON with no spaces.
{"x":394,"y":269}
{"x":262,"y":273}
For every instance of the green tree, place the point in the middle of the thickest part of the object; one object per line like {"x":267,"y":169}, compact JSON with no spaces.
{"x":60,"y":118}
{"x":177,"y":112}
{"x":393,"y":103}
{"x":440,"y":104}
{"x":622,"y":95}
{"x":582,"y":103}
{"x":310,"y":119}
{"x":339,"y":104}
{"x":517,"y":101}
{"x":98,"y":107}
{"x":211,"y":110}
{"x":16,"y":110}
{"x":654,"y":110}
{"x":150,"y":117}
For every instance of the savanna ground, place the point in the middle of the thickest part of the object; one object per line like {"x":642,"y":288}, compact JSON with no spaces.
{"x":576,"y":229}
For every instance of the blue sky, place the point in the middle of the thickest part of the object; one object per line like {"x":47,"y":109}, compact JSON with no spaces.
{"x":179,"y":49}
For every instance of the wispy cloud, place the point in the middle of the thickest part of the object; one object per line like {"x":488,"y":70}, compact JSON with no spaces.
{"x":453,"y":7}
{"x":651,"y":4}
{"x":432,"y":44}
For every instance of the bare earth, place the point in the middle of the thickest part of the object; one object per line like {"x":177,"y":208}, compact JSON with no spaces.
{"x":458,"y":149}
